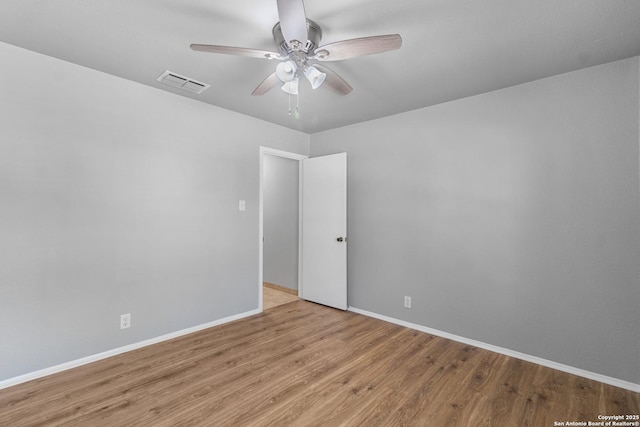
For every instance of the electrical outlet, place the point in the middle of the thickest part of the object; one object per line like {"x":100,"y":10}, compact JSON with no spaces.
{"x":125,"y":321}
{"x":407,"y":302}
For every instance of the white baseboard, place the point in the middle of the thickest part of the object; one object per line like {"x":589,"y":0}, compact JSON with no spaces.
{"x":89,"y":359}
{"x":511,"y":353}
{"x":522,"y":356}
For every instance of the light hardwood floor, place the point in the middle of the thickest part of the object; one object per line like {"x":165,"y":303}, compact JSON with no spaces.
{"x":273,"y":297}
{"x":303,"y":364}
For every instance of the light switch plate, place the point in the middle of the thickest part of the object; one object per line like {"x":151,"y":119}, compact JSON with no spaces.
{"x":242,"y":205}
{"x":407,"y":302}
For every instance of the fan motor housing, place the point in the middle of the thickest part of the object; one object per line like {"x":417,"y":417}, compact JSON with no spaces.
{"x":314,"y":35}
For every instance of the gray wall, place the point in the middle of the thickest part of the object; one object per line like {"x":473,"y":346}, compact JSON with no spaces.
{"x":280,"y":216}
{"x":119,"y":198}
{"x":512,"y":217}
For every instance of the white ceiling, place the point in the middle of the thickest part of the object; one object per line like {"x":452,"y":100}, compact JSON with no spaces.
{"x":451,"y":48}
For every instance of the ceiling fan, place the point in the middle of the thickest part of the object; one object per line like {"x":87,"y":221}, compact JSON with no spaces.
{"x":297,"y":39}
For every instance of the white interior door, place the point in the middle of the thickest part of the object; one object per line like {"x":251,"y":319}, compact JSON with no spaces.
{"x":324,"y":230}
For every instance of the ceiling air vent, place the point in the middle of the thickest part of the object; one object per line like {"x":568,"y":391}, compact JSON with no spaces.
{"x":182,"y":82}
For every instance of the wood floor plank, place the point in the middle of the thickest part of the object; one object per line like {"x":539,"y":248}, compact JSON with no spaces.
{"x":303,"y":364}
{"x":276,"y":297}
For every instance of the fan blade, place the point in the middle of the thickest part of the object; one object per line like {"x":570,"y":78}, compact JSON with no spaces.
{"x":266,"y":85}
{"x":240,"y":51}
{"x":334,"y":80}
{"x":293,"y":21}
{"x":352,"y":48}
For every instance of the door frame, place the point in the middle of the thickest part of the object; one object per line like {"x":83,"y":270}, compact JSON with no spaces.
{"x":287,"y":155}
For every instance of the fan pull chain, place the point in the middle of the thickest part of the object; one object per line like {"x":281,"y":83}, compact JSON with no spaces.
{"x":289,"y":104}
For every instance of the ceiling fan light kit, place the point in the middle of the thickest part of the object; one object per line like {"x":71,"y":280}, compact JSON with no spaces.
{"x":315,"y":76}
{"x":286,"y":71}
{"x":291,"y":87}
{"x":298,"y":48}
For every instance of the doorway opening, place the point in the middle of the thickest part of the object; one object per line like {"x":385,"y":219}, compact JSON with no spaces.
{"x":279,"y":272}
